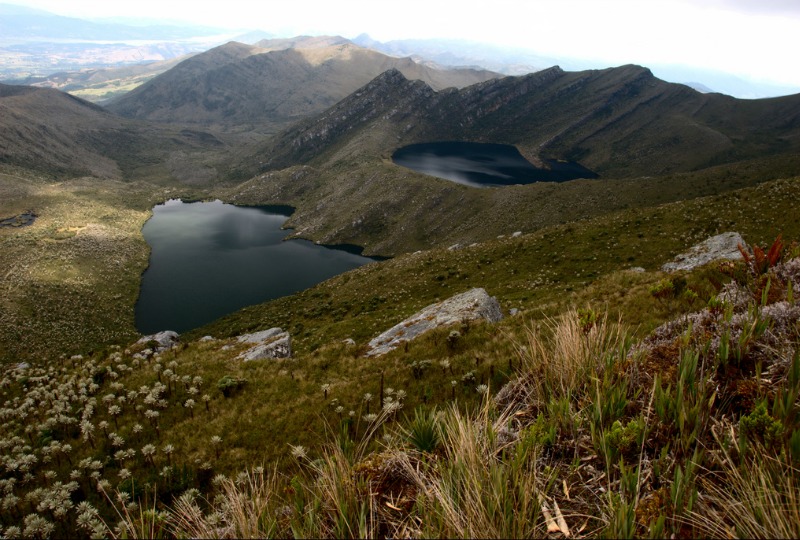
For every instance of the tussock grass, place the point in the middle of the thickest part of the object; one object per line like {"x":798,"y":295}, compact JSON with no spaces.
{"x":563,"y":354}
{"x":759,"y":498}
{"x":481,"y":486}
{"x":244,"y":507}
{"x":568,"y":448}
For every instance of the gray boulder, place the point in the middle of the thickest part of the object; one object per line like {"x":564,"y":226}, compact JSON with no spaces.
{"x":164,"y":340}
{"x":722,"y":246}
{"x":260,"y":337}
{"x":272,"y":343}
{"x":471,"y":305}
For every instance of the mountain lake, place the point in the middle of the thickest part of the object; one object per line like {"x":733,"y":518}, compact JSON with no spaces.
{"x":209,"y":259}
{"x":484,"y":165}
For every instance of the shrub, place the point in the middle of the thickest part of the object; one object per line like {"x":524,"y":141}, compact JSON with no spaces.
{"x":229,"y":385}
{"x":626,"y":440}
{"x":424,"y":431}
{"x":759,"y":262}
{"x":453,"y":339}
{"x":760,"y":426}
{"x":587,"y":318}
{"x":418,"y":368}
{"x":663,"y":289}
{"x":540,"y":433}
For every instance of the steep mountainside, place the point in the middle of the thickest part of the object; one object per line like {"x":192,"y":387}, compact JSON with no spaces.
{"x":619,"y":122}
{"x":52,"y":132}
{"x":651,"y":142}
{"x":243,"y":87}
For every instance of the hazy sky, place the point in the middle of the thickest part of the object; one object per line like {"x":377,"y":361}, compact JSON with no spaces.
{"x":753,"y":38}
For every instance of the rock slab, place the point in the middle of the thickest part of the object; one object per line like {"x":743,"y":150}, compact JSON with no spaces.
{"x":164,"y":340}
{"x":472,"y":305}
{"x":272,"y":343}
{"x":722,"y":246}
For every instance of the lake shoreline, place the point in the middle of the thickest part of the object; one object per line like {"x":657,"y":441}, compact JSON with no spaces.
{"x":485,"y":165}
{"x":209,"y":259}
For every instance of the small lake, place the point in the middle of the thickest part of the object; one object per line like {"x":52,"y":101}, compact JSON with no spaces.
{"x":484,"y":165}
{"x":209,"y":259}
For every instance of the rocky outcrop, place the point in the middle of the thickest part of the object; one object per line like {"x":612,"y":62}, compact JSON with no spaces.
{"x":471,"y":305}
{"x":161,"y":341}
{"x":722,"y":246}
{"x":272,"y":343}
{"x":774,"y":345}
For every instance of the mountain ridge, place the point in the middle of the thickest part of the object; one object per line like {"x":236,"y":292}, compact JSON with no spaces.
{"x":53,"y":132}
{"x":619,"y":122}
{"x":268,"y":88}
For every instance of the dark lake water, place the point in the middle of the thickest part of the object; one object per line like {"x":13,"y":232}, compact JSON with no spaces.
{"x":210,"y":259}
{"x":484,"y":165}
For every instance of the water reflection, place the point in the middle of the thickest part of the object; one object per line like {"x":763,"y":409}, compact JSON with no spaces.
{"x":210,"y":259}
{"x":484,"y":165}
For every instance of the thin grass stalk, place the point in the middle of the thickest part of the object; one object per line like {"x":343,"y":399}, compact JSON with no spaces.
{"x":248,"y":505}
{"x":147,"y":524}
{"x":562,"y":364}
{"x":339,"y":505}
{"x":187,"y":520}
{"x":760,"y":499}
{"x":472,"y":493}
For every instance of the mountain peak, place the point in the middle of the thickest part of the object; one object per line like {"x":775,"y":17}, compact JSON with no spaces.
{"x":391,"y":75}
{"x":302,"y":42}
{"x":272,"y":85}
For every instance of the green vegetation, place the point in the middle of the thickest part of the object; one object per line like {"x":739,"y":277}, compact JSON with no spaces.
{"x":592,"y":434}
{"x":230,"y":385}
{"x":615,"y":401}
{"x":70,"y":280}
{"x":579,"y":263}
{"x":560,"y":419}
{"x":391,"y":210}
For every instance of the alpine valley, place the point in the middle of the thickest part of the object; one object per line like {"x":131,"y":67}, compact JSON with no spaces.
{"x":515,"y":361}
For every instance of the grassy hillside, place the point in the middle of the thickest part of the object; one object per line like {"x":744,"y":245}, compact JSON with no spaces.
{"x":527,"y":272}
{"x":43,"y":304}
{"x":70,"y":280}
{"x":53,"y":133}
{"x":391,"y":210}
{"x":580,"y":414}
{"x":144,"y":426}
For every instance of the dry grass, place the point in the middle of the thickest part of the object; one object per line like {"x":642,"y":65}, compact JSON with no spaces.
{"x":243,"y":508}
{"x":565,"y":353}
{"x":480,"y":488}
{"x":759,"y":498}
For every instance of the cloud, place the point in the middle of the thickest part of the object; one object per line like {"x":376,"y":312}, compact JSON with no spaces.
{"x":790,"y":8}
{"x":756,"y":39}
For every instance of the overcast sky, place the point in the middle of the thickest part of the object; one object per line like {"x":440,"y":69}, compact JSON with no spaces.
{"x":752,"y":38}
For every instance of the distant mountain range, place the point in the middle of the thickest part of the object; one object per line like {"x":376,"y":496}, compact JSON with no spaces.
{"x":336,"y":100}
{"x":18,"y":23}
{"x":273,"y":84}
{"x":511,"y":61}
{"x":102,"y":84}
{"x":37,"y":44}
